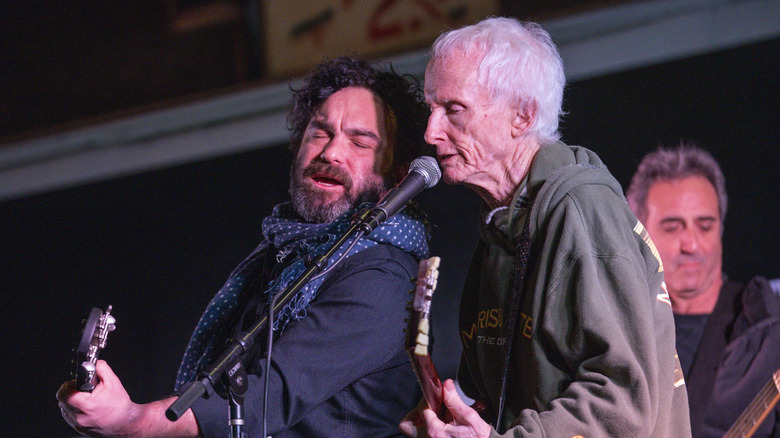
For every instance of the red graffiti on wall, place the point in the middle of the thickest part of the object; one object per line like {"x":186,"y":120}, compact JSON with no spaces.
{"x":380,"y":25}
{"x":378,"y":29}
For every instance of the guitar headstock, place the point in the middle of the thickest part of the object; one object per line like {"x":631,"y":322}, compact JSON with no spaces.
{"x":93,"y":340}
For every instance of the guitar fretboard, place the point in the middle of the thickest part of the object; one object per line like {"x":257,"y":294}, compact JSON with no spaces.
{"x":756,"y":412}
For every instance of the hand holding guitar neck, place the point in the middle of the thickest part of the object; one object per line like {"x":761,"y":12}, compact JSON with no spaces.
{"x":93,"y":339}
{"x":418,"y":335}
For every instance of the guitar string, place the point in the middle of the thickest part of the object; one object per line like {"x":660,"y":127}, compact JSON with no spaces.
{"x":757,"y":406}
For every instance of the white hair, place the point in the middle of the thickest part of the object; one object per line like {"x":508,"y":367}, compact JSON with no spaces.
{"x":519,"y":66}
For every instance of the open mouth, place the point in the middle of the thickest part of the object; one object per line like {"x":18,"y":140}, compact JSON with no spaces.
{"x":444,"y":158}
{"x":324,"y":180}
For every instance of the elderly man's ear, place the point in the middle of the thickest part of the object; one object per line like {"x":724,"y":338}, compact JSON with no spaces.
{"x":523,"y":118}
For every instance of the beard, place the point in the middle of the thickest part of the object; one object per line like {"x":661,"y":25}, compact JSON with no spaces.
{"x":316,"y":206}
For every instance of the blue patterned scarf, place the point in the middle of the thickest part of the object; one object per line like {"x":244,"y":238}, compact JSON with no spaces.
{"x":295,"y":239}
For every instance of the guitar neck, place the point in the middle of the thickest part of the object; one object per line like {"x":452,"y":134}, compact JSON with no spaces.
{"x":418,"y":333}
{"x":757,"y":410}
{"x":430,"y":383}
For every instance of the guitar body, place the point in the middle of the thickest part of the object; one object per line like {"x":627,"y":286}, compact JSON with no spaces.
{"x":93,"y":339}
{"x":418,"y":336}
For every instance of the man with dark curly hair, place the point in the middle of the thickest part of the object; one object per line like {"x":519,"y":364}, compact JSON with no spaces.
{"x":338,"y":366}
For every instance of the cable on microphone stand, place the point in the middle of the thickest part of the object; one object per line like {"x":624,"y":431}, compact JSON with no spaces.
{"x":423,"y":173}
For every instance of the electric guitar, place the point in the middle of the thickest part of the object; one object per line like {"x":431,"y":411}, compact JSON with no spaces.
{"x":93,"y":339}
{"x":417,"y":336}
{"x":757,"y":410}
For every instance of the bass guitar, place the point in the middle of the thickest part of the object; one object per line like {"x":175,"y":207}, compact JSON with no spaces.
{"x":757,"y":410}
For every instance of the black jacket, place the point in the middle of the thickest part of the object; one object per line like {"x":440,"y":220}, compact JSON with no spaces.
{"x":340,"y":371}
{"x":738,"y":352}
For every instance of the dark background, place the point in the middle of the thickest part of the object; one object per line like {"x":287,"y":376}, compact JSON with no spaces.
{"x":69,"y":63}
{"x":158,"y":245}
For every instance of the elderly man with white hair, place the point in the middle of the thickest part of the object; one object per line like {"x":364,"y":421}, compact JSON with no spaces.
{"x":566,"y":328}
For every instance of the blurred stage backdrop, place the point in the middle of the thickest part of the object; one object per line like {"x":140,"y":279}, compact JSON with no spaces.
{"x":140,"y":147}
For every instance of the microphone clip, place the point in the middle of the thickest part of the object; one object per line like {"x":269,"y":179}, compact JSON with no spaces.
{"x":359,"y":218}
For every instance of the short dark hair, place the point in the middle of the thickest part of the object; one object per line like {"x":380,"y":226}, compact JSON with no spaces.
{"x":665,"y":164}
{"x":406,"y":110}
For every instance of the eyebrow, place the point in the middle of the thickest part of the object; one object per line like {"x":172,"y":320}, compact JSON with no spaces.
{"x":324,"y":125}
{"x":431,"y":98}
{"x":363,"y":133}
{"x":668,"y":220}
{"x":320,"y":124}
{"x":682,"y":220}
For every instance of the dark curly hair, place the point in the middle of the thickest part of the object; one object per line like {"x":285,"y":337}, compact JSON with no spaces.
{"x":405,"y":108}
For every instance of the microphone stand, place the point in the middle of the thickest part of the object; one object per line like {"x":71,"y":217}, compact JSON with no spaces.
{"x":230,"y":359}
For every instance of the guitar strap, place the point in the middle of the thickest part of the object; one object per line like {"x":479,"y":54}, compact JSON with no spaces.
{"x":522,"y":256}
{"x":704,"y":369}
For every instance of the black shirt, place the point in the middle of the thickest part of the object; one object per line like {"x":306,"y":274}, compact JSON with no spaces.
{"x":688,"y":330}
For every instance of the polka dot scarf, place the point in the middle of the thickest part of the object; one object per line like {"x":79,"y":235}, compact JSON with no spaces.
{"x":295,"y":239}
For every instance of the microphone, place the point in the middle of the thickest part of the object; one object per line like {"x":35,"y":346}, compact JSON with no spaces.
{"x":423,"y":173}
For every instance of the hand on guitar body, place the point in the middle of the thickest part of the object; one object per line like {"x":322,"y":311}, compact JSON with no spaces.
{"x":461,"y":420}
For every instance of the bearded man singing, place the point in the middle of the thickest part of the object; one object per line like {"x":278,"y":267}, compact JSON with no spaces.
{"x":338,"y":366}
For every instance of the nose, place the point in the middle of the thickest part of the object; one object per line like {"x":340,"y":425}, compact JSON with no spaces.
{"x":335,"y":150}
{"x":689,"y":241}
{"x":434,"y":133}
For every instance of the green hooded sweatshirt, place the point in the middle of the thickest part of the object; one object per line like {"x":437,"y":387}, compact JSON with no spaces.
{"x":593,"y":349}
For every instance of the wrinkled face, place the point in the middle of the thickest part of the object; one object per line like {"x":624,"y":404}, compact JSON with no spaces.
{"x":470,"y":132}
{"x":342,"y":158}
{"x":684,"y":223}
